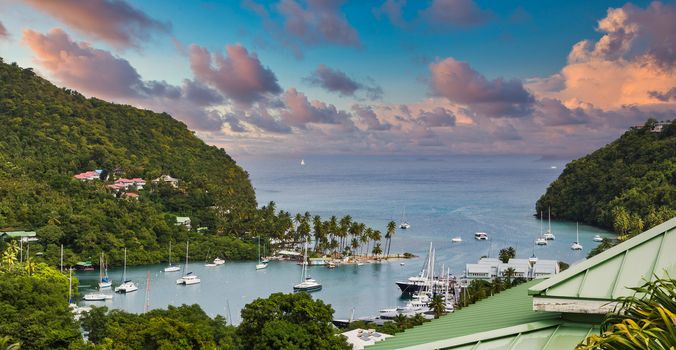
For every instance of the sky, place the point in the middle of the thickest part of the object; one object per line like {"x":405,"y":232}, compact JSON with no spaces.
{"x":409,"y":77}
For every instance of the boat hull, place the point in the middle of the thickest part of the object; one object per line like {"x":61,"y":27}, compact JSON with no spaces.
{"x":307,"y":289}
{"x":172,"y":269}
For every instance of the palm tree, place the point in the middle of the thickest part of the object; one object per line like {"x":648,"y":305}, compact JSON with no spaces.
{"x":401,"y":321}
{"x":318,"y":229}
{"x":6,"y":345}
{"x":437,"y":305}
{"x":509,"y":274}
{"x":9,"y":255}
{"x":354,"y":245}
{"x":377,"y":250}
{"x":366,"y":238}
{"x":391,"y":229}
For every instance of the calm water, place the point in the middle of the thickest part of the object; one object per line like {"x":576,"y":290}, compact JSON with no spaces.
{"x":443,"y":197}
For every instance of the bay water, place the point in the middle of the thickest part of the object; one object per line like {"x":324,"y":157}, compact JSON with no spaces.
{"x":442,"y":197}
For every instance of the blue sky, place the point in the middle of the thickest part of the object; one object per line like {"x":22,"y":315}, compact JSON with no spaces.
{"x":507,"y":48}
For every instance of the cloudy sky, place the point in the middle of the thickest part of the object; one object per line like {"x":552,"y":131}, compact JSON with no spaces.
{"x":293,"y":77}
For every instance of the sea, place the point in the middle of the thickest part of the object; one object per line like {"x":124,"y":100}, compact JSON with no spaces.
{"x":441,"y":197}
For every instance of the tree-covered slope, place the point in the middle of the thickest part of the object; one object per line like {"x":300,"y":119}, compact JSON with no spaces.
{"x":629,"y":185}
{"x":48,"y":134}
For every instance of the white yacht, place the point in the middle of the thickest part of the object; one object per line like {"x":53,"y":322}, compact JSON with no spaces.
{"x":219,"y":261}
{"x":404,"y":224}
{"x":261,"y":265}
{"x":97,"y":297}
{"x":171,"y":268}
{"x":104,"y":280}
{"x":189,"y":278}
{"x":127,"y":286}
{"x":302,"y":162}
{"x":576,"y":245}
{"x":307,"y":284}
{"x":456,"y":240}
{"x":597,"y":238}
{"x":549,"y":235}
{"x":541,"y":239}
{"x":481,"y":236}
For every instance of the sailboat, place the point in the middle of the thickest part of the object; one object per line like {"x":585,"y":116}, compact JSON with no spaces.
{"x":261,"y":265}
{"x":541,"y":240}
{"x":265,"y":259}
{"x":307,"y":283}
{"x":171,"y":268}
{"x":127,"y":286}
{"x":597,"y":238}
{"x":549,"y":235}
{"x":219,"y":261}
{"x":189,"y":278}
{"x":209,"y":264}
{"x":104,"y":280}
{"x":302,"y":162}
{"x":404,"y":224}
{"x":576,"y":245}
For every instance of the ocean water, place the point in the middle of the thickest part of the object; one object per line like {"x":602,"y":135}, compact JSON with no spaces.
{"x":443,"y":197}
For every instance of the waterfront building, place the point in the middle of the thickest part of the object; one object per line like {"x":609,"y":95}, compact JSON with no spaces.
{"x":491,"y":268}
{"x":552,"y":313}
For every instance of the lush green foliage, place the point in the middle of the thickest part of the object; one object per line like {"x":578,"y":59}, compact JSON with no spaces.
{"x":506,"y":254}
{"x":646,"y":320}
{"x":34,"y":307}
{"x":288,"y":321}
{"x":628,"y":185}
{"x":49,"y":134}
{"x":183,"y":327}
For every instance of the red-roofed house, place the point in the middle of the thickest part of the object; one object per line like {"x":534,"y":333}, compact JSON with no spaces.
{"x":88,"y":175}
{"x":131,"y":195}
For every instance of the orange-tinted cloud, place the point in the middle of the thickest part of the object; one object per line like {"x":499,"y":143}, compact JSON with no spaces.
{"x":114,"y":21}
{"x":3,"y":32}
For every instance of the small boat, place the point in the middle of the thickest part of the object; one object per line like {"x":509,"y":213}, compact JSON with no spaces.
{"x":307,"y":284}
{"x":481,"y":236}
{"x":549,"y":235}
{"x":171,"y":268}
{"x":210,"y":264}
{"x":541,"y":240}
{"x":188,"y":278}
{"x":404,"y":224}
{"x":597,"y":238}
{"x":456,"y":240}
{"x":331,"y":265}
{"x":97,"y":297}
{"x":127,"y":286}
{"x":360,"y":264}
{"x":576,"y":245}
{"x":302,"y":162}
{"x":104,"y":280}
{"x":219,"y":261}
{"x":402,"y":264}
{"x":261,"y":265}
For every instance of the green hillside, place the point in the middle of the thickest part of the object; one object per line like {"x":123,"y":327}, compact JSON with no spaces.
{"x":627,"y":186}
{"x":49,"y":134}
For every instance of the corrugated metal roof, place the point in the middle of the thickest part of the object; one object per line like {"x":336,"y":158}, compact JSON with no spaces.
{"x":506,"y":309}
{"x":541,"y":335}
{"x":610,"y":274}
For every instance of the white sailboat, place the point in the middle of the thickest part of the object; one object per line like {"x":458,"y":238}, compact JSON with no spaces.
{"x":576,"y":245}
{"x":97,"y":296}
{"x":541,"y":240}
{"x":171,"y":268}
{"x":549,"y":235}
{"x":307,"y":284}
{"x":219,"y":261}
{"x":261,"y":265}
{"x":209,"y":264}
{"x":456,"y":239}
{"x":404,"y":224}
{"x":302,"y":162}
{"x":189,"y":278}
{"x":104,"y":280}
{"x":597,"y":238}
{"x":127,"y":286}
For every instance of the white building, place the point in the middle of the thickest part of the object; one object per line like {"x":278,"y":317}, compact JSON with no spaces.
{"x":183,"y":220}
{"x":171,"y":181}
{"x":490,"y":268}
{"x":359,"y":338}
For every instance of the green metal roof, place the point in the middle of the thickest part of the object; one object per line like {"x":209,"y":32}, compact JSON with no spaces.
{"x":14,"y":234}
{"x":541,"y":335}
{"x":506,"y":309}
{"x":608,"y":275}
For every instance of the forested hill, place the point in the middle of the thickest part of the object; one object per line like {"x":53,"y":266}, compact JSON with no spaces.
{"x":49,"y":134}
{"x":628,"y":185}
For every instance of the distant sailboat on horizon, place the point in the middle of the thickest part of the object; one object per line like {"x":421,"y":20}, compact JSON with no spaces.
{"x":404,"y":224}
{"x":302,"y":162}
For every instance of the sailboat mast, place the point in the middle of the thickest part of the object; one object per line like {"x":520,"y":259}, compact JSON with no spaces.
{"x":101,"y":267}
{"x":169,"y":252}
{"x":124,"y":271}
{"x":70,"y":286}
{"x":549,"y":219}
{"x":186,"y":257}
{"x":62,"y":258}
{"x":259,"y":249}
{"x":541,"y":224}
{"x":577,"y":232}
{"x":146,"y":306}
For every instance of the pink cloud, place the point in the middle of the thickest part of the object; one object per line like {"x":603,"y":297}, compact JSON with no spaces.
{"x":461,"y":84}
{"x":369,"y":118}
{"x":320,"y":21}
{"x":240,"y":75}
{"x":114,"y":21}
{"x":461,"y":13}
{"x":438,"y":117}
{"x":300,"y":111}
{"x":3,"y":32}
